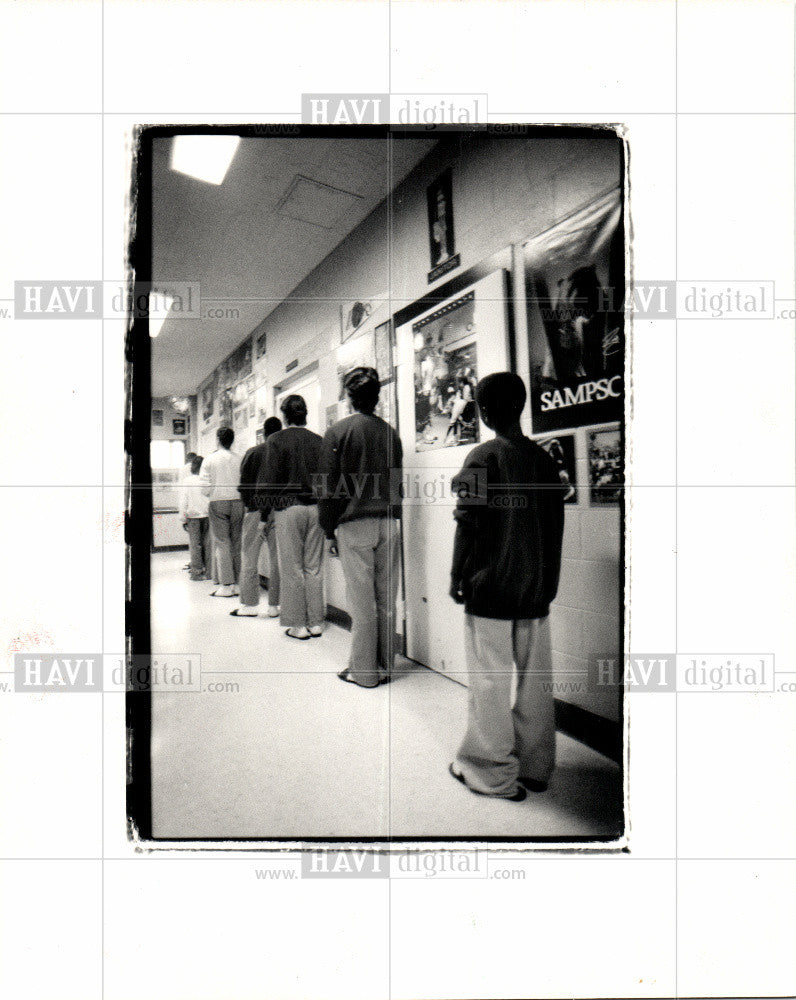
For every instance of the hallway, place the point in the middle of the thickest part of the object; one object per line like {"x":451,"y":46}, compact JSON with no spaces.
{"x":283,"y":749}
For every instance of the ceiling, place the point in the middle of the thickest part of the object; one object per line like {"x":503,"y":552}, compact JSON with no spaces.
{"x":284,"y":205}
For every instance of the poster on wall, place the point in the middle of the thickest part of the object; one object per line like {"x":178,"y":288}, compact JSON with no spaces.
{"x":382,"y":350}
{"x":441,"y":238}
{"x":606,"y":472}
{"x":446,"y":372}
{"x":157,"y":418}
{"x":562,"y":450}
{"x":574,"y":277}
{"x":238,"y":365}
{"x":259,"y":348}
{"x":225,"y":407}
{"x":208,"y":399}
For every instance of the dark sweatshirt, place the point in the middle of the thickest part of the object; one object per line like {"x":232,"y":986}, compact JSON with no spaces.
{"x":509,"y":529}
{"x":249,"y":475}
{"x":359,"y":471}
{"x":287,"y":475}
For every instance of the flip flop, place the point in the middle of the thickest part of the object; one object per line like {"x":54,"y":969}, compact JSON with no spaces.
{"x":344,"y":676}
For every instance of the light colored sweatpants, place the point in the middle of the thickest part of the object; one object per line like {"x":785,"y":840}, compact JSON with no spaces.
{"x":226,"y":523}
{"x":299,"y":543}
{"x":505,"y":742}
{"x":255,"y":532}
{"x":273,"y":562}
{"x":368,"y":550}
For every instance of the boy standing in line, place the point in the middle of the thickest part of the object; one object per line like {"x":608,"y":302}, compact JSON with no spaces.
{"x":506,"y":563}
{"x":220,"y":477}
{"x":361,"y":455}
{"x":194,"y":512}
{"x":255,"y":533}
{"x":285,"y":487}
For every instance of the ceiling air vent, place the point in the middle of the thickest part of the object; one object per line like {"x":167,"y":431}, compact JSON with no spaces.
{"x":319,"y":204}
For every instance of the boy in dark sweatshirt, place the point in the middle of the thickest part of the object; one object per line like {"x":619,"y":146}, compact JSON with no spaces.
{"x":361,"y":455}
{"x":506,"y":563}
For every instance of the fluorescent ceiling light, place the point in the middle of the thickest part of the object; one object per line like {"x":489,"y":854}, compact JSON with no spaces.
{"x":206,"y":157}
{"x":159,"y":305}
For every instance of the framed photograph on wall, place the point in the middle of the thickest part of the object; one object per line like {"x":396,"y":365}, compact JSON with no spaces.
{"x":179,"y":426}
{"x":606,"y":469}
{"x":446,"y":373}
{"x":157,"y":418}
{"x":561,"y":449}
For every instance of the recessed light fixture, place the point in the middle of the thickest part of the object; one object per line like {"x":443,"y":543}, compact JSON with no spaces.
{"x":159,"y":306}
{"x":206,"y":157}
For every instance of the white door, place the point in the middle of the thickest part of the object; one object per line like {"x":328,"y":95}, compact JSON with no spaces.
{"x":440,"y":356}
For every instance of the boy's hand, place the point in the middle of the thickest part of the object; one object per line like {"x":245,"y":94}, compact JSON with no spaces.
{"x":456,"y":592}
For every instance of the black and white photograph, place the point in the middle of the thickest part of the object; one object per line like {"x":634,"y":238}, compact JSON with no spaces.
{"x":606,"y":466}
{"x":399,"y":553}
{"x":446,"y":363}
{"x":332,"y":669}
{"x":562,"y":450}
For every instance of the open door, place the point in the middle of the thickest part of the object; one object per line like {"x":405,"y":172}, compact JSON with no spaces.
{"x":440,"y":356}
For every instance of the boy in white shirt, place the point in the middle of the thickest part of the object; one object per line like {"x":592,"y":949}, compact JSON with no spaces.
{"x":195,"y":518}
{"x":220,"y":480}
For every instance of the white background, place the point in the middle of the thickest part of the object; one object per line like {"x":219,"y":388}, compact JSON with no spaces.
{"x":704,"y":905}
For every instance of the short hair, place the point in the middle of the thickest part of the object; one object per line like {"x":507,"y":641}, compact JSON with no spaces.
{"x":294,"y":410}
{"x":196,"y":464}
{"x":502,"y":395}
{"x":225,"y":436}
{"x":191,"y":456}
{"x":362,"y":386}
{"x":271,"y":426}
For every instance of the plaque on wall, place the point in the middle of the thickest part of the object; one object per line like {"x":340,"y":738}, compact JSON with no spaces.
{"x":441,"y":237}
